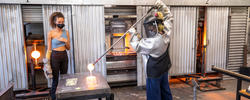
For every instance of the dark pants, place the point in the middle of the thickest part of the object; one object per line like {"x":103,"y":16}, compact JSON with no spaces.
{"x":59,"y":64}
{"x":158,"y":88}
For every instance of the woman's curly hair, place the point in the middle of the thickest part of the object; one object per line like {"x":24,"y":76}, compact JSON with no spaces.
{"x":53,"y":17}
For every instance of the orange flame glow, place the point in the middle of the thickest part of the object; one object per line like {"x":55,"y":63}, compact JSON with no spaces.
{"x":128,"y":49}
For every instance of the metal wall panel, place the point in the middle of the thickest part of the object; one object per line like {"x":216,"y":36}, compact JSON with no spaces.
{"x":141,"y":68}
{"x":248,"y":31}
{"x":237,"y":37}
{"x":120,"y":10}
{"x":89,"y":37}
{"x":66,"y":10}
{"x":134,"y":2}
{"x":12,"y":55}
{"x":217,"y":28}
{"x":32,"y":13}
{"x":182,"y":45}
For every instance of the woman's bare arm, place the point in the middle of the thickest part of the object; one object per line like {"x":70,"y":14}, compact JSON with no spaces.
{"x":49,"y":45}
{"x":68,"y":42}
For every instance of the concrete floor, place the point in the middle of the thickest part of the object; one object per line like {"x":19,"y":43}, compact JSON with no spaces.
{"x":182,"y":91}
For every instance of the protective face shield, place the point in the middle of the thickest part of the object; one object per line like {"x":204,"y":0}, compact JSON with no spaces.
{"x":150,"y":26}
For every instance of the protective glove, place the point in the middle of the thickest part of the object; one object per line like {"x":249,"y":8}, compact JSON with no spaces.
{"x":132,"y":31}
{"x":47,"y":68}
{"x":159,"y":4}
{"x":48,"y":54}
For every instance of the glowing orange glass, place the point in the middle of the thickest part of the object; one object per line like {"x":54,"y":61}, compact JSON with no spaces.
{"x":35,"y":54}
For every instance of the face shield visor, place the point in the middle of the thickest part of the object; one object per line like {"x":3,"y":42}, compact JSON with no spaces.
{"x":150,"y":26}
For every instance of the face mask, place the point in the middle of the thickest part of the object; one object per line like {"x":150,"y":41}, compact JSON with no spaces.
{"x":60,"y":25}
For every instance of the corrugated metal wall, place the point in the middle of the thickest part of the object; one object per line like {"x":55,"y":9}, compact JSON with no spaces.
{"x":182,"y":46}
{"x":12,"y":55}
{"x":32,"y":13}
{"x":66,"y":10}
{"x":237,"y":37}
{"x":217,"y":26}
{"x":120,"y":10}
{"x":248,"y":32}
{"x":89,"y":37}
{"x":141,"y":68}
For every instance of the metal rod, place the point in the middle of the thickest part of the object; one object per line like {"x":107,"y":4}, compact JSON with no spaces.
{"x":123,"y":35}
{"x":230,"y":73}
{"x":203,"y":67}
{"x":194,"y":90}
{"x":195,"y":85}
{"x":33,"y":76}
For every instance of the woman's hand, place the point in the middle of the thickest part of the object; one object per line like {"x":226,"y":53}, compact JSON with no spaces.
{"x":62,"y":39}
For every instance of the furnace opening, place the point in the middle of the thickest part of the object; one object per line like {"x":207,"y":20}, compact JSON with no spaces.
{"x":34,"y":41}
{"x":121,"y":60}
{"x":201,"y":41}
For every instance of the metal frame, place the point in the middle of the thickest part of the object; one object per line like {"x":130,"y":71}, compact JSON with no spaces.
{"x":248,"y":20}
{"x":7,"y":93}
{"x":195,"y":40}
{"x":134,"y":2}
{"x":247,"y":33}
{"x":233,"y":74}
{"x":108,"y":96}
{"x":246,"y":42}
{"x":239,"y":77}
{"x":228,"y":37}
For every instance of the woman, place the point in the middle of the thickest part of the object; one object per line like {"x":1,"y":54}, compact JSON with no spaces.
{"x":58,"y":43}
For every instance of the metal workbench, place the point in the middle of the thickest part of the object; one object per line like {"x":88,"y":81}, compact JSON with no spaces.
{"x":83,"y":86}
{"x":242,"y":76}
{"x":7,"y":93}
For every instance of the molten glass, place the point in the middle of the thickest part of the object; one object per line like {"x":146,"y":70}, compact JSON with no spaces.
{"x":91,"y":67}
{"x":35,"y":54}
{"x":91,"y":82}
